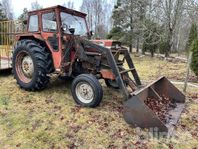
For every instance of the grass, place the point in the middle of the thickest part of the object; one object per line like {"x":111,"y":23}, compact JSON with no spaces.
{"x":152,"y":68}
{"x":51,"y":119}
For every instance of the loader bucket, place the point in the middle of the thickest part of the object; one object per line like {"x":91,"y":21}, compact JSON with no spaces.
{"x":158,"y":105}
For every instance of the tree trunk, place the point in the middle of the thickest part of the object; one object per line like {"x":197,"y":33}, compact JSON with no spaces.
{"x":152,"y":53}
{"x":138,"y":45}
{"x":187,"y":72}
{"x":131,"y":48}
{"x":167,"y":53}
{"x":169,"y":44}
{"x":178,"y":42}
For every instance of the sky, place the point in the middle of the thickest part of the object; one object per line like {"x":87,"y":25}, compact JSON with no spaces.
{"x":19,"y":5}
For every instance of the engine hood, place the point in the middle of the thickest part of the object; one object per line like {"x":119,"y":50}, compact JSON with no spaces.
{"x":110,"y":44}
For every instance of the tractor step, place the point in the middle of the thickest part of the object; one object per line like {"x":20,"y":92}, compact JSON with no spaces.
{"x":133,"y":85}
{"x":126,"y":71}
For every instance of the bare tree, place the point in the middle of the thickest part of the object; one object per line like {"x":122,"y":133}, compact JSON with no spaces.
{"x":35,"y":5}
{"x":7,"y":7}
{"x":2,"y":15}
{"x":172,"y":11}
{"x":88,"y":9}
{"x":98,"y":12}
{"x":191,"y":7}
{"x":98,"y":16}
{"x":69,"y":4}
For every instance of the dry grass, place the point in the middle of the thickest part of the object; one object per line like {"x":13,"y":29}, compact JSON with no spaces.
{"x":51,"y":119}
{"x":151,"y":68}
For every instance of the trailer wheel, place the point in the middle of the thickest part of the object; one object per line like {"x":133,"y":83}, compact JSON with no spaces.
{"x":87,"y":91}
{"x":30,"y":62}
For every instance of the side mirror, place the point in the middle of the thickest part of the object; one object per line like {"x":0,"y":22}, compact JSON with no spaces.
{"x":72,"y":31}
{"x":64,"y":27}
{"x":91,"y":33}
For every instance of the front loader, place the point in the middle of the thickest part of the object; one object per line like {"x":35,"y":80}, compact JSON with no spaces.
{"x":57,"y":42}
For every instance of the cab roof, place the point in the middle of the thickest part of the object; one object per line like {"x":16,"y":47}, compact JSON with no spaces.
{"x":58,"y":8}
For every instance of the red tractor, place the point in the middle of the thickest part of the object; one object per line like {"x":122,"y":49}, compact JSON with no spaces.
{"x":57,"y":41}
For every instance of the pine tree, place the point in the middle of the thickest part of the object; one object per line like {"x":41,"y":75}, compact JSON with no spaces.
{"x":129,"y":15}
{"x":194,"y":63}
{"x":116,"y":32}
{"x":150,"y":45}
{"x":24,"y":15}
{"x":117,"y":14}
{"x":192,"y":36}
{"x":151,"y":38}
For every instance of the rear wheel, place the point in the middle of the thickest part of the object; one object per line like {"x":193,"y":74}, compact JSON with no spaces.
{"x":111,"y":83}
{"x":87,"y":91}
{"x":30,"y":65}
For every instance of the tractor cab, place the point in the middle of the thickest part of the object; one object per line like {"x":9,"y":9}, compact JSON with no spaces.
{"x":58,"y":19}
{"x":56,"y":27}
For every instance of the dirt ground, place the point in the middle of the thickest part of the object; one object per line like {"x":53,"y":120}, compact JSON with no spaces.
{"x":51,"y":119}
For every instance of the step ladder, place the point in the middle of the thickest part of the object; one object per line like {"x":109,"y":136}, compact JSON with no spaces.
{"x":116,"y":71}
{"x":133,"y":85}
{"x":115,"y":67}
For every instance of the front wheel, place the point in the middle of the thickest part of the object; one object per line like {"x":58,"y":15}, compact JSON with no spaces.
{"x":87,"y":91}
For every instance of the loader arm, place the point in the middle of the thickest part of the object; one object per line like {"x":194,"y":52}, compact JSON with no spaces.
{"x":113,"y":65}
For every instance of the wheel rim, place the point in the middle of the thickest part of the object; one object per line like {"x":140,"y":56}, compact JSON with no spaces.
{"x":84,"y":92}
{"x":24,"y":67}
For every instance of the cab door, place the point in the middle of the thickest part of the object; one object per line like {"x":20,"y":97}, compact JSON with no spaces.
{"x":50,"y":33}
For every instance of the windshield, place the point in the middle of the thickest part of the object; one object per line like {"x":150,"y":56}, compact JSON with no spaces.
{"x":78,"y":23}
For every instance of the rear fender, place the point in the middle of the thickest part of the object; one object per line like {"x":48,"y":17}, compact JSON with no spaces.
{"x":29,"y":36}
{"x":38,"y":38}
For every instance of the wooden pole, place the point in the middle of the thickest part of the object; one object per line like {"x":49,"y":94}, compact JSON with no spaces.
{"x":187,"y":72}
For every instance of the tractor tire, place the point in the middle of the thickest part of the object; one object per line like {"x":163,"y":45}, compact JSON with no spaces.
{"x":31,"y":64}
{"x":111,"y":84}
{"x":87,"y":91}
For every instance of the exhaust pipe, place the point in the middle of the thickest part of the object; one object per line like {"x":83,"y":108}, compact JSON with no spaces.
{"x":158,"y":105}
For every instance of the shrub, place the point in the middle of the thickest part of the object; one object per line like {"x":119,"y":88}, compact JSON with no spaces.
{"x":192,"y":36}
{"x":194,"y":63}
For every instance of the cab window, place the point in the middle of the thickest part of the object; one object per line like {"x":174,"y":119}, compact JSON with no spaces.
{"x":49,"y":22}
{"x":33,"y":23}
